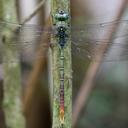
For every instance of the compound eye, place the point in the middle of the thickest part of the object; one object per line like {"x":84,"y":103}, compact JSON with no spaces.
{"x":61,"y":12}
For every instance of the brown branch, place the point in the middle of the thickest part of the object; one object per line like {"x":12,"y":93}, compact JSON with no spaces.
{"x":86,"y":88}
{"x":36,"y":10}
{"x":38,"y":68}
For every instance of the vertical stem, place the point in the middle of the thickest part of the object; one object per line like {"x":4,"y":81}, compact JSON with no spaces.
{"x":12,"y":75}
{"x":61,"y":5}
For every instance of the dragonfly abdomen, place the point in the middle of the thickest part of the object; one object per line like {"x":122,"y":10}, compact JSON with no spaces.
{"x":61,"y":86}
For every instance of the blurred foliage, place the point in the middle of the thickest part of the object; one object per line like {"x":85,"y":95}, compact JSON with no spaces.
{"x":108,"y":104}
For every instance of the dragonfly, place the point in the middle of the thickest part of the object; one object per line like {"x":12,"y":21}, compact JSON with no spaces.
{"x":86,"y":41}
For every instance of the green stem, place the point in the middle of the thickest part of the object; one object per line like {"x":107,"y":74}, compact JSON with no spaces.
{"x":12,"y":75}
{"x":61,"y":5}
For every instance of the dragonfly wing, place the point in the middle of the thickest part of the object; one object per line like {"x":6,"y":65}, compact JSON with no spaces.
{"x":27,"y":41}
{"x":26,"y":32}
{"x":27,"y":51}
{"x":93,"y":50}
{"x":98,"y":31}
{"x":30,"y":40}
{"x":90,"y":39}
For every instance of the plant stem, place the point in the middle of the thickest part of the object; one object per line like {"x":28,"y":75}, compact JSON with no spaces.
{"x":12,"y":103}
{"x":65,"y":6}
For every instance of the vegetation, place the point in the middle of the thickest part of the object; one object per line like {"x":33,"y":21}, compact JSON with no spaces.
{"x":12,"y":103}
{"x":30,"y":66}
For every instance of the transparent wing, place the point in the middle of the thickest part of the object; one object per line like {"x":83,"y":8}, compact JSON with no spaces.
{"x":117,"y":50}
{"x":98,"y":31}
{"x":87,"y":39}
{"x":83,"y":31}
{"x":28,"y":52}
{"x":90,"y":41}
{"x":27,"y":41}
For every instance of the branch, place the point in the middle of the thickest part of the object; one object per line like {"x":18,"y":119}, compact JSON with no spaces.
{"x":87,"y":86}
{"x":36,"y":10}
{"x":38,"y":68}
{"x":12,"y":104}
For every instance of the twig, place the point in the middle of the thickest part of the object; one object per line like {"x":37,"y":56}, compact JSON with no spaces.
{"x":38,"y":68}
{"x":86,"y":88}
{"x":36,"y":10}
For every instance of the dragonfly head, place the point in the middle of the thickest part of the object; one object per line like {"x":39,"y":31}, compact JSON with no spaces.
{"x":62,"y":16}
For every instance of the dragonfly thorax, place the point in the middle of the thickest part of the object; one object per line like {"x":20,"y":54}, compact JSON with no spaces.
{"x":62,"y":35}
